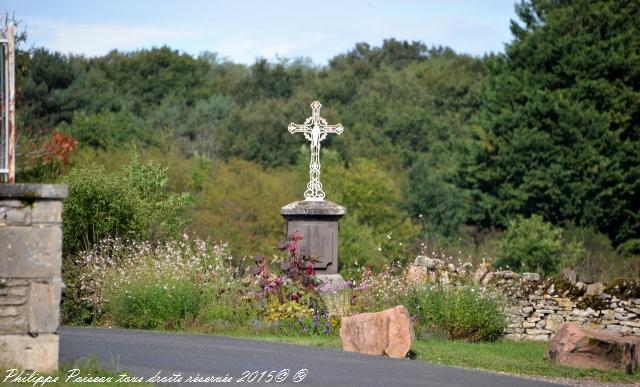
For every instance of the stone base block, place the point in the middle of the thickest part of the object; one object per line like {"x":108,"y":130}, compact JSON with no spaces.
{"x":332,"y":279}
{"x":29,"y":353}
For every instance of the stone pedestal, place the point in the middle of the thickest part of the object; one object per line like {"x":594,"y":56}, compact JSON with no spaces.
{"x":30,"y":275}
{"x":317,"y":221}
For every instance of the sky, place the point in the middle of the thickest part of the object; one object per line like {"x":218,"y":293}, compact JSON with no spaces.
{"x":243,"y":30}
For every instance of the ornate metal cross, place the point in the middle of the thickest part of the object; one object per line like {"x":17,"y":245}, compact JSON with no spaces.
{"x":315,"y":129}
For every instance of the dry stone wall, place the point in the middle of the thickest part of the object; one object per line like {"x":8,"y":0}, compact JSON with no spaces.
{"x":30,"y":275}
{"x":537,"y":307}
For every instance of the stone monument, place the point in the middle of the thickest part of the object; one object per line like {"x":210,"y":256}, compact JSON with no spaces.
{"x":314,"y":217}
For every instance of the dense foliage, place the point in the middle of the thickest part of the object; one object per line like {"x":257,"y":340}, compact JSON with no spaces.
{"x":133,"y":201}
{"x":467,"y":313}
{"x":562,"y":119}
{"x":457,"y":145}
{"x":533,"y":245}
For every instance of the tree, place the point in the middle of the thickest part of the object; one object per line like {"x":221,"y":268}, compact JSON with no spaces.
{"x":562,"y":119}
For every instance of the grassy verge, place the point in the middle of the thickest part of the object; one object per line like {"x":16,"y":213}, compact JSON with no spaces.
{"x":86,"y":368}
{"x":523,"y":358}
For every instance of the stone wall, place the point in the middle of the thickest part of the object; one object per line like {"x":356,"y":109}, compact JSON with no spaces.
{"x":30,"y":275}
{"x":537,"y":307}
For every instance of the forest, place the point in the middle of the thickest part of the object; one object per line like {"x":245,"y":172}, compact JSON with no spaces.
{"x":442,"y":153}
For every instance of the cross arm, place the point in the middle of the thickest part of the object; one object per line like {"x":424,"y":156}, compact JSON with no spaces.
{"x":297,"y":128}
{"x":332,"y":129}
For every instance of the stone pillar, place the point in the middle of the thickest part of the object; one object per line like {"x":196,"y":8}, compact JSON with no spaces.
{"x":317,"y":221}
{"x":30,"y":275}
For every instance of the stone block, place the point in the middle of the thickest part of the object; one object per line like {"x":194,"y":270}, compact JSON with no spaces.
{"x":30,"y":353}
{"x":594,"y":289}
{"x":12,"y":300}
{"x":428,"y":263}
{"x":538,"y":337}
{"x":20,"y":291}
{"x":618,"y":328}
{"x":389,"y":332}
{"x":553,"y":322}
{"x":515,"y":337}
{"x":31,"y":191}
{"x":487,"y":278}
{"x":46,"y":211}
{"x":536,"y":332}
{"x":575,"y":346}
{"x":12,"y":203}
{"x":14,"y":324}
{"x":15,"y":216}
{"x":481,"y":271}
{"x":31,"y":252}
{"x":584,"y":313}
{"x":506,"y":274}
{"x":44,"y":307}
{"x":8,"y":311}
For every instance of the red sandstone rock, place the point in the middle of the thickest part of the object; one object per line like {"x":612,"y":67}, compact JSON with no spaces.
{"x":389,"y":332}
{"x":579,"y":347}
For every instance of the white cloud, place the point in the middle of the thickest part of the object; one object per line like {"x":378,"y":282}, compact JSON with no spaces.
{"x":247,"y":50}
{"x":99,"y":39}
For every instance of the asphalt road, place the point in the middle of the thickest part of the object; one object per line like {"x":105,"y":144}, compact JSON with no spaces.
{"x":145,"y":353}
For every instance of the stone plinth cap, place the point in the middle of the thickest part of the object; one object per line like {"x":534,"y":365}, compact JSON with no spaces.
{"x":33,"y":191}
{"x":304,"y":208}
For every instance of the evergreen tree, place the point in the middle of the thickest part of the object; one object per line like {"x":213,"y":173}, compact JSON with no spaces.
{"x":562,"y":119}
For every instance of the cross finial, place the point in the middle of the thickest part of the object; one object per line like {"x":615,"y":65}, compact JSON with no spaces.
{"x":315,"y":129}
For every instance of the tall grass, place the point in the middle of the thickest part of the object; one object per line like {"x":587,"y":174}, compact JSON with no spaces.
{"x":461,"y":312}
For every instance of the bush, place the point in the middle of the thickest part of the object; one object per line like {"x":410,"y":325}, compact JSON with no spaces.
{"x":159,"y":283}
{"x":133,"y":200}
{"x":531,"y":244}
{"x":227,"y":302}
{"x":460,"y":312}
{"x":152,"y":303}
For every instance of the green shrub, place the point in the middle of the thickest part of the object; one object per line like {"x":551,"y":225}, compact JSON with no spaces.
{"x":531,"y":244}
{"x":228,"y":302}
{"x":152,"y":303}
{"x":132,"y":200}
{"x":459,"y":312}
{"x":117,"y":276}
